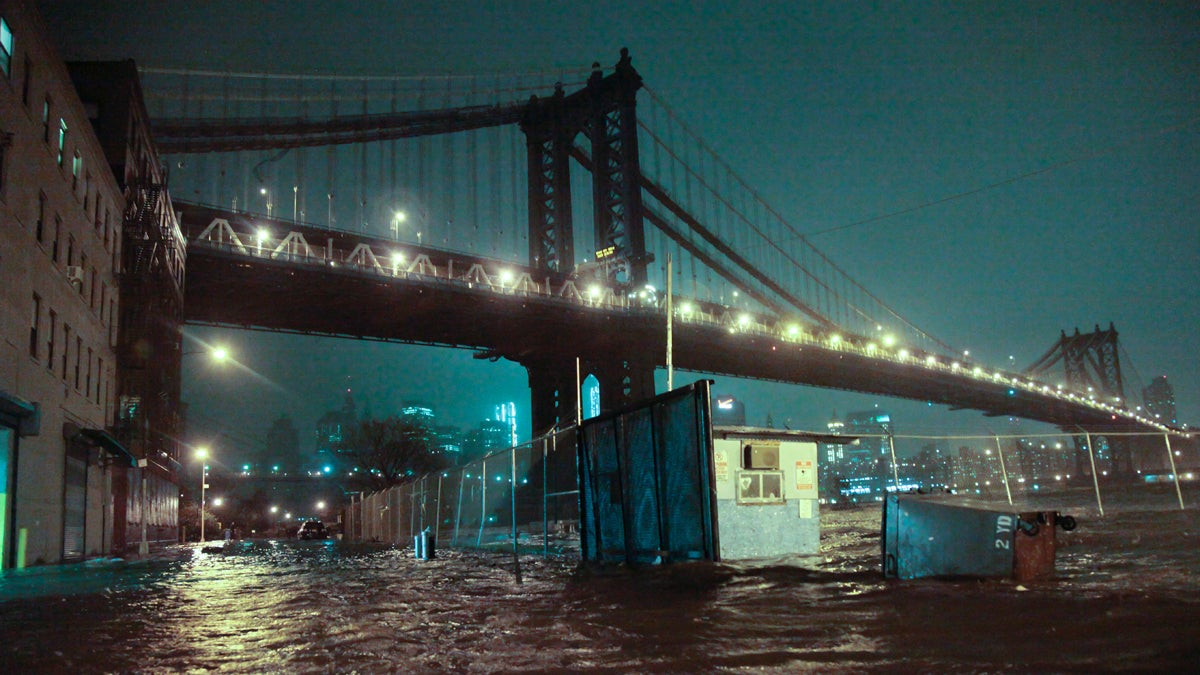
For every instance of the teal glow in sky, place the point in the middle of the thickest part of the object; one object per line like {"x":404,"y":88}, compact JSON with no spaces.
{"x":997,"y":172}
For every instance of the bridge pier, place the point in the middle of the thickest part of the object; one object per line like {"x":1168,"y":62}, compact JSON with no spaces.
{"x":554,"y":395}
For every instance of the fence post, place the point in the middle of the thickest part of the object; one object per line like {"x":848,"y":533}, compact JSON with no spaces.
{"x":1174,"y":473}
{"x":1095,"y":479}
{"x":513,"y":491}
{"x":437,"y":524}
{"x":895,"y":469}
{"x":1003,"y":470}
{"x":462,"y":479}
{"x":545,"y":499}
{"x":482,"y":503}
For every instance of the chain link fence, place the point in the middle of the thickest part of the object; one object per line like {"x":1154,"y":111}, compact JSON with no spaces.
{"x":523,"y":499}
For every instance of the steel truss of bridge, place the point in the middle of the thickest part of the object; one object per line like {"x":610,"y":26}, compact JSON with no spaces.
{"x":251,"y":272}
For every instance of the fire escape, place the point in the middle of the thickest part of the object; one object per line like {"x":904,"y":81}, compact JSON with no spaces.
{"x":148,"y":343}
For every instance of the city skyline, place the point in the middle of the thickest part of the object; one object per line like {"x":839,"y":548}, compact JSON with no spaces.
{"x":986,"y":181}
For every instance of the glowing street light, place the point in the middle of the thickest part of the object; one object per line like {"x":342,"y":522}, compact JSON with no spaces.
{"x":397,"y":218}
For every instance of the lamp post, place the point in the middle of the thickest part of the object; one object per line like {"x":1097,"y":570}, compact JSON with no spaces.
{"x":202,"y":455}
{"x":397,"y":218}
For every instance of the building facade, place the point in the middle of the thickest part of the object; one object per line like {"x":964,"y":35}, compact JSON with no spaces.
{"x":89,"y":379}
{"x":60,"y":249}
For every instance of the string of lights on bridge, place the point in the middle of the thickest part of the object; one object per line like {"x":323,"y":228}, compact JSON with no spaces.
{"x":503,"y":277}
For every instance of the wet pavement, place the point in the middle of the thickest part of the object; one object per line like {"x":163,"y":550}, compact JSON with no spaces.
{"x":1126,"y":599}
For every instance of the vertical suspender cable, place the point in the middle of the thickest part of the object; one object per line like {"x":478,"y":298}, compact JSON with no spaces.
{"x":392,"y":189}
{"x":449,"y":200}
{"x":362,"y":170}
{"x":329,"y":157}
{"x":298,"y":212}
{"x":222,"y":155}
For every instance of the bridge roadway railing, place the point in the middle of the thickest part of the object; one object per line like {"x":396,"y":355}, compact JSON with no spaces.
{"x":401,"y":262}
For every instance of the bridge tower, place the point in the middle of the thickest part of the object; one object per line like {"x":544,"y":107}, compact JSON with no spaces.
{"x":604,"y":111}
{"x":1092,"y":361}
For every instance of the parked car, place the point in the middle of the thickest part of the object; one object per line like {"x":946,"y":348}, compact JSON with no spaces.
{"x":312,"y":529}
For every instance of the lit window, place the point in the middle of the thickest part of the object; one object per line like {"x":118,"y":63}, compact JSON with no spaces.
{"x":6,"y":47}
{"x":62,"y":140}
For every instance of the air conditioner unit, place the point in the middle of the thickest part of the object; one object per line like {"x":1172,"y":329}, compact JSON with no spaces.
{"x":75,"y":274}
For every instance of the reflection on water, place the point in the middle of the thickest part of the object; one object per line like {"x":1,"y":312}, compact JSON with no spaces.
{"x":1127,"y":587}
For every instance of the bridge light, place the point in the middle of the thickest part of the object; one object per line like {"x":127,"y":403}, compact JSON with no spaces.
{"x":744,"y":320}
{"x":889,"y":340}
{"x":506,"y":276}
{"x":594,"y":291}
{"x":793,"y":330}
{"x":870,"y":346}
{"x":686,"y":309}
{"x":931,"y":360}
{"x":835,"y":339}
{"x":977,"y":371}
{"x":397,"y":258}
{"x":903,"y":354}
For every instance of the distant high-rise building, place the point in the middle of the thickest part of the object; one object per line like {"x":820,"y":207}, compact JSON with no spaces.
{"x":728,"y":411}
{"x":1160,"y":400}
{"x":333,"y":426}
{"x":491,"y":435}
{"x":874,"y":426}
{"x":506,"y":413}
{"x":283,"y":446}
{"x":418,"y":414}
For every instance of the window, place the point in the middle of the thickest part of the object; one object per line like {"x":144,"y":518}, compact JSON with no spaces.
{"x":6,"y":47}
{"x":66,"y":349}
{"x":70,"y":250}
{"x":99,"y":377}
{"x":87,"y":192}
{"x":87,"y":390}
{"x":103,"y":298}
{"x":83,"y":264}
{"x":92,"y":291}
{"x":41,"y":217}
{"x":50,"y":339}
{"x":33,"y":326}
{"x":78,"y":360}
{"x":62,"y":140}
{"x":57,"y":232}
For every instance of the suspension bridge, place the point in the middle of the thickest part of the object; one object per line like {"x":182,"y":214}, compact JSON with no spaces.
{"x":448,"y":211}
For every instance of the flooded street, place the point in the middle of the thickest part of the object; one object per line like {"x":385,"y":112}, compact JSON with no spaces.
{"x":1126,"y":599}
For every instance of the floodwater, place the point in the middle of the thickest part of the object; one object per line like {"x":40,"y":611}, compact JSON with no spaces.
{"x":1126,"y":599}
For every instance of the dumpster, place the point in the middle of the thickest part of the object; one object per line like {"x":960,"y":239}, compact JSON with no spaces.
{"x":928,"y":537}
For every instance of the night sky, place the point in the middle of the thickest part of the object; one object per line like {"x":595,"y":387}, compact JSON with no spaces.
{"x":996,"y":172}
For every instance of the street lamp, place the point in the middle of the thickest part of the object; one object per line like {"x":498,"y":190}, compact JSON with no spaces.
{"x":202,"y":454}
{"x":218,"y":354}
{"x":397,"y":218}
